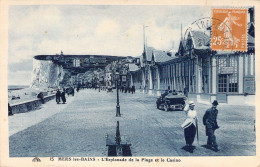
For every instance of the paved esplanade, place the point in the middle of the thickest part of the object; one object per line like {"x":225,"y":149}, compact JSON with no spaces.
{"x":79,"y":127}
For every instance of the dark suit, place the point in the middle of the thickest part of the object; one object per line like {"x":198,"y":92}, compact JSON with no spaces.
{"x":210,"y":121}
{"x":58,"y":94}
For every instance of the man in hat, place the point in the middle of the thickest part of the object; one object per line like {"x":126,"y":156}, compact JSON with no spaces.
{"x":210,"y":121}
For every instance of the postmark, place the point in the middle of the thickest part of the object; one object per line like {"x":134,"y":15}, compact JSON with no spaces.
{"x":198,"y":40}
{"x":231,"y":33}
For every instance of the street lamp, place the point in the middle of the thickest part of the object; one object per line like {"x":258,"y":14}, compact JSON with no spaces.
{"x":117,"y":97}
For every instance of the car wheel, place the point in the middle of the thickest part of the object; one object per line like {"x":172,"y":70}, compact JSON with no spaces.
{"x":165,"y":108}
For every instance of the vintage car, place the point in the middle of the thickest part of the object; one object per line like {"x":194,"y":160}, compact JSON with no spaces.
{"x":171,"y":102}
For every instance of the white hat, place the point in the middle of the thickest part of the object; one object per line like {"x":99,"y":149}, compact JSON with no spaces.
{"x":191,"y":103}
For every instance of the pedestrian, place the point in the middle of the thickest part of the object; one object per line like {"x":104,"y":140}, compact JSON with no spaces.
{"x":41,"y":97}
{"x":189,"y":126}
{"x":10,"y":110}
{"x":58,"y":94}
{"x":133,"y":89}
{"x":186,"y":91}
{"x":210,"y":121}
{"x":164,"y":94}
{"x":174,"y":92}
{"x":63,"y":98}
{"x":68,"y":91}
{"x":72,"y":91}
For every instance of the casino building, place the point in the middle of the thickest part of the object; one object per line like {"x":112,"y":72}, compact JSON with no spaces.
{"x":206,"y":75}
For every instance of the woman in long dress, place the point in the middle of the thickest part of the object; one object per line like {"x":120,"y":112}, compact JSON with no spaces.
{"x":189,"y":126}
{"x":58,"y":94}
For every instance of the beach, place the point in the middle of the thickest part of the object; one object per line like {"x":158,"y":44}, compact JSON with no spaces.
{"x":19,"y":94}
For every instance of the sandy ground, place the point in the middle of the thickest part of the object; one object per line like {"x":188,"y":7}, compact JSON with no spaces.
{"x":79,"y":127}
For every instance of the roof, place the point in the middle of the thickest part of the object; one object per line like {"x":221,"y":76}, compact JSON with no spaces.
{"x":200,"y":40}
{"x":161,"y":56}
{"x":182,"y":43}
{"x":181,"y":48}
{"x":251,"y":29}
{"x":133,"y":67}
{"x":251,"y":33}
{"x":141,"y":61}
{"x":149,"y":53}
{"x":250,"y":39}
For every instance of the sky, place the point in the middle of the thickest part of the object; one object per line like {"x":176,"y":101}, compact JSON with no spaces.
{"x":88,"y":29}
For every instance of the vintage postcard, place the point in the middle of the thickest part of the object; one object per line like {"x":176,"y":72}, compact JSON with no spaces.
{"x":129,"y":84}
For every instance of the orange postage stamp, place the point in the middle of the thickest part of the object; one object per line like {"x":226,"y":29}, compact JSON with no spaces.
{"x":229,"y":32}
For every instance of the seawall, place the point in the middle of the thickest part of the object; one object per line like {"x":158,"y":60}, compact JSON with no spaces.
{"x":30,"y":104}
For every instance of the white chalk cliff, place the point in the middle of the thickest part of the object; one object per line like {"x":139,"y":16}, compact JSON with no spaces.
{"x":46,"y":74}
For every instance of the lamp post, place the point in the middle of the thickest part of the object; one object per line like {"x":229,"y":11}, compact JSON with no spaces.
{"x":117,"y":97}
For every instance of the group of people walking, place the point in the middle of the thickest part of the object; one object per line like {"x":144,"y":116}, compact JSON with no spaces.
{"x":128,"y":89}
{"x":60,"y":96}
{"x":190,"y":126}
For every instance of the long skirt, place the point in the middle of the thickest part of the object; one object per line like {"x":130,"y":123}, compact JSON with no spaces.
{"x":57,"y":99}
{"x":189,"y":134}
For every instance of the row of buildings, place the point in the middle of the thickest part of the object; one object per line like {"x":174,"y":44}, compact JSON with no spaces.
{"x":120,"y":71}
{"x":62,"y":70}
{"x":207,"y":75}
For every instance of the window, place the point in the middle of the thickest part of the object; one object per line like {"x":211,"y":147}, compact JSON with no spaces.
{"x":175,"y":74}
{"x":186,"y":69}
{"x":222,"y":83}
{"x":177,"y":70}
{"x":233,"y":77}
{"x":228,"y":81}
{"x":180,"y":64}
{"x":162,"y":72}
{"x":171,"y":70}
{"x":194,"y":84}
{"x":183,"y":66}
{"x":168,"y":71}
{"x":205,"y":75}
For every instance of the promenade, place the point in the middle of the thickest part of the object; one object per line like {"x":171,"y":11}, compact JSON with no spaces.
{"x":79,"y":127}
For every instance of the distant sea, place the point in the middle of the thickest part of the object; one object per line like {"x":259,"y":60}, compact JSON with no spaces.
{"x":17,"y":87}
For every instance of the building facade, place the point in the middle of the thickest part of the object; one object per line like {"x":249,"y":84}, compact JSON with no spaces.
{"x":207,"y":75}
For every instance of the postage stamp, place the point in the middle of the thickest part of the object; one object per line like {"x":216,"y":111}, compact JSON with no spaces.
{"x":231,"y":32}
